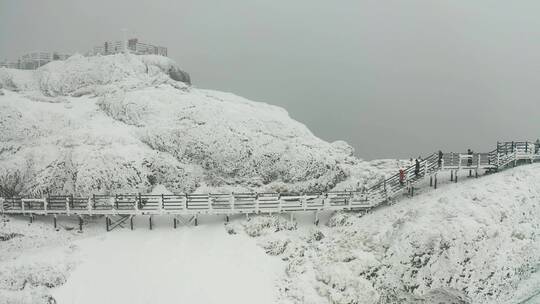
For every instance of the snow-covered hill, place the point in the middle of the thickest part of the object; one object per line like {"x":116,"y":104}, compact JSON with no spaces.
{"x":124,"y":123}
{"x":473,"y":242}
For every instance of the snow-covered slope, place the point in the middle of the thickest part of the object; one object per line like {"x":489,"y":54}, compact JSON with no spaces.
{"x":123,"y":123}
{"x":471,"y":242}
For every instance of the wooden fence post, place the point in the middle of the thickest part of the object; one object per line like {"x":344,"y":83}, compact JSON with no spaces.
{"x":161,"y":202}
{"x":256,"y":203}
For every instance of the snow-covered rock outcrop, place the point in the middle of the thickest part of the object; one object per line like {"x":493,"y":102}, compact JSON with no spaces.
{"x":123,"y":123}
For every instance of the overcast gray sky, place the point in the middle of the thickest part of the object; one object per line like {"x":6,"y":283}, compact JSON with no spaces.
{"x":392,"y":78}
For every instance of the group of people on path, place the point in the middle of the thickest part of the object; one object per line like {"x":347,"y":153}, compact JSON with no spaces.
{"x":416,"y":162}
{"x":403,"y":174}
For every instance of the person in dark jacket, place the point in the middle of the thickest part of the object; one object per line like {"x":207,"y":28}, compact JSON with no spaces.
{"x":417,"y":168}
{"x":439,"y":161}
{"x":469,"y":160}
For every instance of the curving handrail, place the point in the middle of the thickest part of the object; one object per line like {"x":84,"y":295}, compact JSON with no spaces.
{"x":389,"y":187}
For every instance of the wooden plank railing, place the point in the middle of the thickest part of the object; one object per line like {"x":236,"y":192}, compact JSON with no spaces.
{"x":233,"y":203}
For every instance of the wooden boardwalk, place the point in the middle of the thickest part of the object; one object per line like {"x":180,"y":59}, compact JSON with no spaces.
{"x":185,"y":208}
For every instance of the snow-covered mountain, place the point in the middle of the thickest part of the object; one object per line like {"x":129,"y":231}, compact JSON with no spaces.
{"x":124,"y":123}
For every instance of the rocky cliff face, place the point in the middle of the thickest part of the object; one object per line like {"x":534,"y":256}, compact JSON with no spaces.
{"x":124,"y":123}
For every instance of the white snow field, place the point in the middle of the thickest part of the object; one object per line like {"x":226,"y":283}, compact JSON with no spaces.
{"x":198,"y":265}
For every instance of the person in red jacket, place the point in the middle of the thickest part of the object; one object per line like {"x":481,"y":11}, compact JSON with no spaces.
{"x":401,"y":176}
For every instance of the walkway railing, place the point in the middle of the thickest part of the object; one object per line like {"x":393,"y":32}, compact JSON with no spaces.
{"x":256,"y":203}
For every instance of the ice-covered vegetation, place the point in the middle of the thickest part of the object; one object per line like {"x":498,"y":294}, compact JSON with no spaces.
{"x":35,"y":258}
{"x":472,"y":243}
{"x":124,"y":123}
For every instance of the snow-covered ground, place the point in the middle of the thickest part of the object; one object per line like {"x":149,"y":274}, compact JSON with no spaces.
{"x":471,"y":242}
{"x":201,"y":264}
{"x":35,"y":257}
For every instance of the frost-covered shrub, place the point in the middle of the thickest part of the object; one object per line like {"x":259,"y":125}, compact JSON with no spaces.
{"x":116,"y":106}
{"x":13,"y":182}
{"x":276,"y":247}
{"x":316,"y":236}
{"x":230,"y":229}
{"x":19,"y":277}
{"x":8,"y":236}
{"x":30,"y":283}
{"x":17,"y":80}
{"x":166,"y":170}
{"x":127,"y":70}
{"x":168,"y":66}
{"x":339,"y":219}
{"x":6,"y":80}
{"x":341,"y":285}
{"x":117,"y":176}
{"x":260,"y":225}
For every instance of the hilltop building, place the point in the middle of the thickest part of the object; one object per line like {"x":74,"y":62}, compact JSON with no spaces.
{"x":9,"y":64}
{"x":133,"y":46}
{"x":33,"y":60}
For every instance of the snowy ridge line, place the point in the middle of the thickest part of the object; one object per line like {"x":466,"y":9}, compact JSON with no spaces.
{"x":129,"y":205}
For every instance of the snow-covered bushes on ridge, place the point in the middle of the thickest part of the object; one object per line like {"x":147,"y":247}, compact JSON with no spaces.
{"x":474,"y":242}
{"x":129,"y":110}
{"x":164,"y":169}
{"x":78,"y":72}
{"x":260,"y":225}
{"x":115,"y":106}
{"x":17,"y":80}
{"x":168,"y":66}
